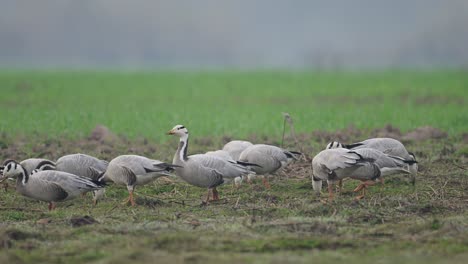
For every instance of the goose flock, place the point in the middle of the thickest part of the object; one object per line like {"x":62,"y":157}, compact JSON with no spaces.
{"x":74,"y":175}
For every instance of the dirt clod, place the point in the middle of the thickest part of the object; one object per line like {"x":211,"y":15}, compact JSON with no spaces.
{"x":102,"y":133}
{"x":81,"y":221}
{"x":424,"y":133}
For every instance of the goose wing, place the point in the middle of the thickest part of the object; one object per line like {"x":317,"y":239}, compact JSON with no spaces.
{"x":269,"y":158}
{"x":328,"y":161}
{"x":235,"y":148}
{"x":82,"y":165}
{"x":70,"y":183}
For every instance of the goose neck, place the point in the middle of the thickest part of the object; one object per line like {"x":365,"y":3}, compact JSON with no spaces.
{"x":182,"y":150}
{"x":23,"y":177}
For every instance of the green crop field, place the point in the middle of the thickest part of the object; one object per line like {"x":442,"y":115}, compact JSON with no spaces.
{"x":229,"y":103}
{"x":49,"y":114}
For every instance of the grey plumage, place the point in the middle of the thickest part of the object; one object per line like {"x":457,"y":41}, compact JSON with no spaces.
{"x":235,"y":148}
{"x":388,"y":146}
{"x":226,"y":156}
{"x":84,"y":165}
{"x":202,"y":170}
{"x":50,"y":185}
{"x":363,"y":164}
{"x":32,"y":164}
{"x":134,"y":170}
{"x":221,"y":154}
{"x":269,"y":159}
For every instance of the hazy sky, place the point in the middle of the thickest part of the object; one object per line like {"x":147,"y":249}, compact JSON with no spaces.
{"x":242,"y":33}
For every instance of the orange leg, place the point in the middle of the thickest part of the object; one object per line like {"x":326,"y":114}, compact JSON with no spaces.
{"x":215,"y":194}
{"x":51,"y":206}
{"x":330,"y":192}
{"x":340,"y":186}
{"x":208,"y":194}
{"x":131,"y":198}
{"x":382,"y":181}
{"x":363,"y":186}
{"x":266,"y":183}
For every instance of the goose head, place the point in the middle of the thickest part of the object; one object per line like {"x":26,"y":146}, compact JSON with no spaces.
{"x":334,"y":144}
{"x":179,"y":131}
{"x":45,"y":165}
{"x":12,"y":169}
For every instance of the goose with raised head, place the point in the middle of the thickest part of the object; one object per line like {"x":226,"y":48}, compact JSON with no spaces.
{"x":388,"y":146}
{"x":49,"y":186}
{"x":86,"y":166}
{"x":134,"y":170}
{"x":235,"y":148}
{"x":364,"y":164}
{"x":201,"y":170}
{"x":269,"y":159}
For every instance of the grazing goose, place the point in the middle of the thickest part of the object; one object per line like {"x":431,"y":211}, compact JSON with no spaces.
{"x":201,"y":170}
{"x":226,"y":156}
{"x":49,"y":185}
{"x":269,"y":159}
{"x":39,"y":164}
{"x":133,"y":170}
{"x":388,"y":146}
{"x":363,"y":164}
{"x":30,"y":165}
{"x":85,"y":166}
{"x":235,"y":148}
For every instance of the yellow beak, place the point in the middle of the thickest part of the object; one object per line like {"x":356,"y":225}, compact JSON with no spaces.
{"x":170,"y":132}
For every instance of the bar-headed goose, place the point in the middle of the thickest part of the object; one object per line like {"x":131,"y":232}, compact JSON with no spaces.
{"x":49,"y":185}
{"x":268,"y":158}
{"x":388,"y":146}
{"x":134,"y":170}
{"x":363,"y":164}
{"x":235,"y":147}
{"x":226,"y":156}
{"x":86,"y":166}
{"x":30,"y":165}
{"x":40,"y":164}
{"x":201,"y":170}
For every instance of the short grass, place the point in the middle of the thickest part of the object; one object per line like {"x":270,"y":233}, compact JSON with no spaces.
{"x":239,"y":104}
{"x":397,"y":222}
{"x":50,"y":114}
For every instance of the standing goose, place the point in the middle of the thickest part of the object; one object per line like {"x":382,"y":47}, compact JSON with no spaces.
{"x":49,"y":185}
{"x":269,"y":159}
{"x":388,"y":146}
{"x":201,"y":170}
{"x":363,"y":164}
{"x":85,"y":166}
{"x":235,"y":148}
{"x":133,"y":170}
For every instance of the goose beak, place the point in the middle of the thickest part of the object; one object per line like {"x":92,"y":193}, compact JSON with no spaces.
{"x":170,"y":132}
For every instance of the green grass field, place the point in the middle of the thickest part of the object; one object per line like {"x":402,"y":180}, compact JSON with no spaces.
{"x":50,"y":114}
{"x":229,"y":103}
